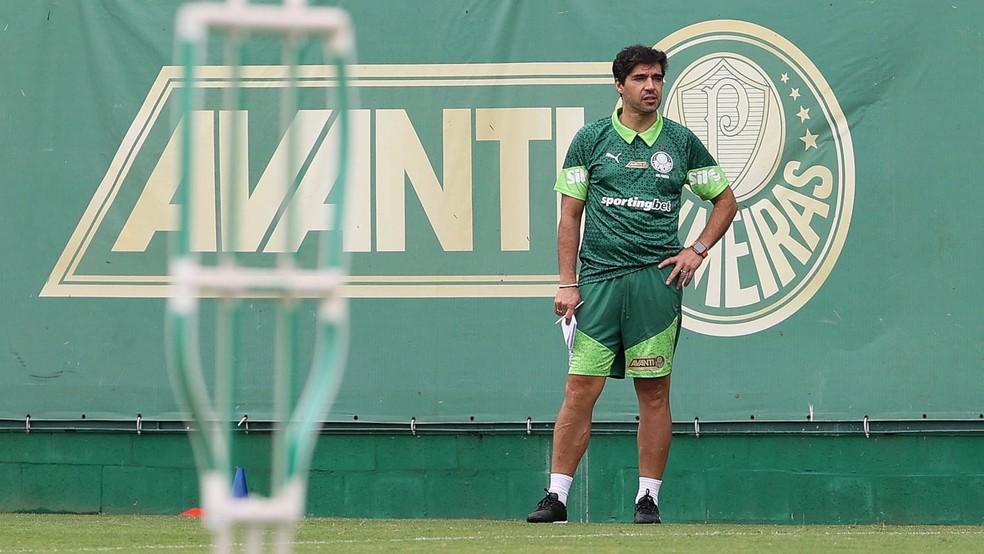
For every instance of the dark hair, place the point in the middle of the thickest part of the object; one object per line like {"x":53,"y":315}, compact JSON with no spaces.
{"x":631,"y":56}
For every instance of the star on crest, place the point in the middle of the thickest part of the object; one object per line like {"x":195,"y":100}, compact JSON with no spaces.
{"x":809,"y":139}
{"x":784,"y":78}
{"x":803,"y":114}
{"x":795,"y":93}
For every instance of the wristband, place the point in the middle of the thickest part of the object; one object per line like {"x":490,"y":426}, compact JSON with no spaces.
{"x":568,"y":286}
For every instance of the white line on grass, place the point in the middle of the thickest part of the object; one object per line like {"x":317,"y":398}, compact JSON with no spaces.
{"x":663,"y":531}
{"x":129,"y":548}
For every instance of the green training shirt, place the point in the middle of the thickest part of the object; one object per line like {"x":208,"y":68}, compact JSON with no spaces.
{"x":631,"y":184}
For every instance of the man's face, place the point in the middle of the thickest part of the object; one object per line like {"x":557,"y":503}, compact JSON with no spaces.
{"x":643,"y":89}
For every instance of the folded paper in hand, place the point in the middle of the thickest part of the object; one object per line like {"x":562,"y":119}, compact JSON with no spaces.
{"x":569,"y":329}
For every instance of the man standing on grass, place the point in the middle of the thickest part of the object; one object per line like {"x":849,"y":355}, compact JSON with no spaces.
{"x":625,"y":174}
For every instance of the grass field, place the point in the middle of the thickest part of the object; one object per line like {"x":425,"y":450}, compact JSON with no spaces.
{"x":34,"y":533}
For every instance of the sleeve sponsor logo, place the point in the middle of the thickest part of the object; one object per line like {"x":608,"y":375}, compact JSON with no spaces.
{"x":576,"y":176}
{"x":704,"y":176}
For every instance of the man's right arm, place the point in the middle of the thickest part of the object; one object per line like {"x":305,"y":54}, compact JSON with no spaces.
{"x":572,"y":184}
{"x":568,"y":244}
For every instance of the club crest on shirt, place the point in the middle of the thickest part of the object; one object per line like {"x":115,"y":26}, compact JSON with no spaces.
{"x":662,"y":162}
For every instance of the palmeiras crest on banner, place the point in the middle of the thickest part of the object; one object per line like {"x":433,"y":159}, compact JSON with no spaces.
{"x":768,"y":116}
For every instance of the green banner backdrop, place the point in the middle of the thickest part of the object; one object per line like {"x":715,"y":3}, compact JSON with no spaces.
{"x":849,"y":131}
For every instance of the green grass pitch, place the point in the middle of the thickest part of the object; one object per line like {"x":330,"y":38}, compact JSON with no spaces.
{"x":51,"y":533}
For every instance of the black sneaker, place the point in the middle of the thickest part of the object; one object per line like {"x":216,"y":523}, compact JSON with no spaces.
{"x":646,"y":510}
{"x":549,"y":510}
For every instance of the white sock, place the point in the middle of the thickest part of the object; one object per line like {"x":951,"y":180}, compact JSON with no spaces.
{"x":650,"y":485}
{"x":560,"y":484}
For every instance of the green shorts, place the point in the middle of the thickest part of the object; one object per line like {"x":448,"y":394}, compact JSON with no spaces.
{"x":627,"y":326}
